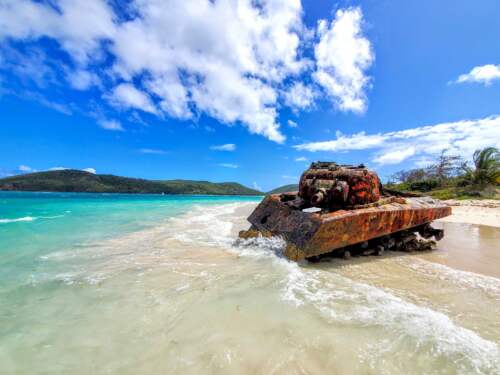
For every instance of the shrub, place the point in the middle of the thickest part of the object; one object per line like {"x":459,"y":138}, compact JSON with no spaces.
{"x":424,"y":185}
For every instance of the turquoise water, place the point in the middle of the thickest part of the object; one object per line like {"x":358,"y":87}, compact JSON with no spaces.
{"x":35,"y":224}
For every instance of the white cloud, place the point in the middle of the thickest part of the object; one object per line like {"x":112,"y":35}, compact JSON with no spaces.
{"x":423,"y":161}
{"x":174,"y":96}
{"x":292,"y":124}
{"x":227,"y":62}
{"x":395,"y":155}
{"x":24,"y":168}
{"x":111,"y":125}
{"x":484,"y":74}
{"x":231,"y":60}
{"x":82,"y":79}
{"x":226,"y":147}
{"x":301,"y":158}
{"x":343,"y":55}
{"x":78,"y":25}
{"x":128,"y":96}
{"x":256,"y":186}
{"x":57,"y":169}
{"x":300,"y":96}
{"x":152,"y":151}
{"x":359,"y":141}
{"x":89,"y":170}
{"x":32,"y":64}
{"x":228,"y":165}
{"x":461,"y":138}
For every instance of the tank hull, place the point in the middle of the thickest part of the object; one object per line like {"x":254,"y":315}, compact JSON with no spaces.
{"x":312,"y":234}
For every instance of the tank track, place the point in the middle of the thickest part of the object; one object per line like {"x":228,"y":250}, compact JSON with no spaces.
{"x":411,"y":240}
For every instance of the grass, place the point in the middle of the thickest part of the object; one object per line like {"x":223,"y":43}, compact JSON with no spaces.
{"x":453,"y":192}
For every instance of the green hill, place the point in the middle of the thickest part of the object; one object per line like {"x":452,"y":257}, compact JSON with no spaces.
{"x":70,"y":180}
{"x":284,"y":189}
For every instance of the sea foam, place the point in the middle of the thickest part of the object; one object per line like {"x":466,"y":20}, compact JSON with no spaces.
{"x":463,"y":279}
{"x":29,"y":219}
{"x":20,"y":219}
{"x":343,"y":301}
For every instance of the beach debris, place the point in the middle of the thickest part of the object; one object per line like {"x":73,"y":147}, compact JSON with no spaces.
{"x":343,"y":210}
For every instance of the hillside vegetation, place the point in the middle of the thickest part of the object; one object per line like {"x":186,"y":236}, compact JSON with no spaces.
{"x":284,"y":189}
{"x":450,"y":177}
{"x":79,"y":181}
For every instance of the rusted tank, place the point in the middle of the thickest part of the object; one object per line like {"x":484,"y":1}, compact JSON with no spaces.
{"x":344,"y":210}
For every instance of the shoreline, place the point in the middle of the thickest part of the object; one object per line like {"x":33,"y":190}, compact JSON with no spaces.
{"x":472,"y":211}
{"x":133,"y":194}
{"x":468,"y":217}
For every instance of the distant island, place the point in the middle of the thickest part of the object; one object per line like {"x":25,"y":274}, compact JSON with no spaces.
{"x":284,"y":189}
{"x":70,"y":180}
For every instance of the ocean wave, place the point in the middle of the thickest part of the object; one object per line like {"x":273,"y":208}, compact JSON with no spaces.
{"x":28,"y":219}
{"x":51,"y":217}
{"x":260,"y":247}
{"x":17,"y":220}
{"x":344,"y":301}
{"x":200,"y":227}
{"x":208,"y":225}
{"x":76,"y":277}
{"x":462,"y":279}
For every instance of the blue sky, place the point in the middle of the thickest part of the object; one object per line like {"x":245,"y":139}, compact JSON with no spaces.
{"x":244,"y":91}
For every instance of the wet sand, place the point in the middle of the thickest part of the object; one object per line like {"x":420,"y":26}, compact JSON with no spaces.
{"x":468,"y":247}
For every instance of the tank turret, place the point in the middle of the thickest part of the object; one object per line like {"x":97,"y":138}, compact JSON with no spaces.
{"x":329,"y":185}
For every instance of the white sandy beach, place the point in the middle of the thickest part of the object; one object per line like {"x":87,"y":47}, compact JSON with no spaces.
{"x":481,"y":212}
